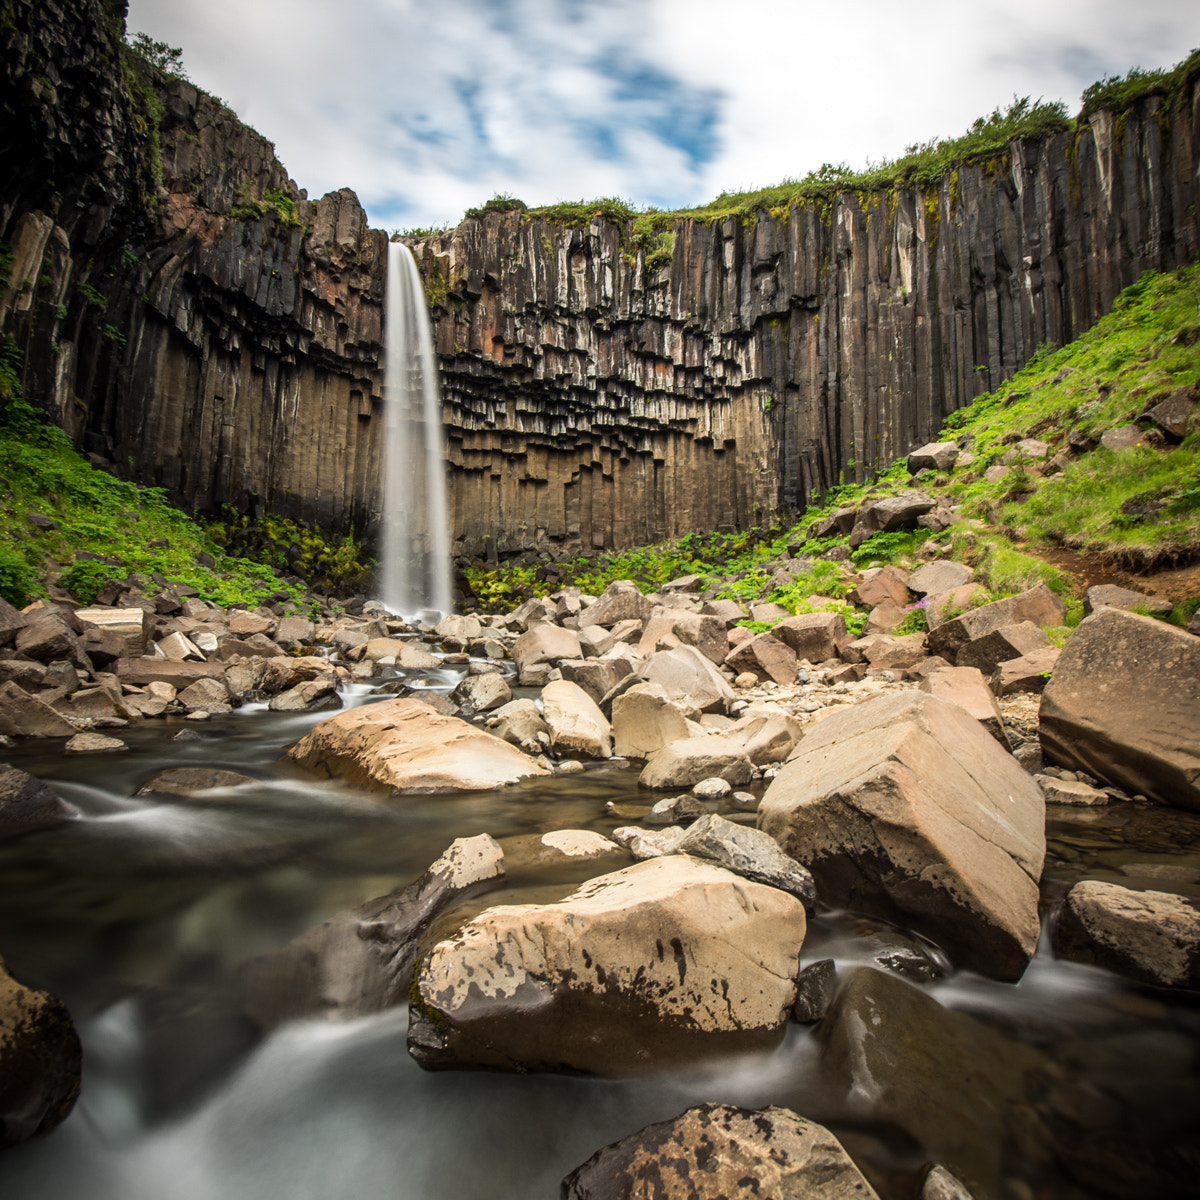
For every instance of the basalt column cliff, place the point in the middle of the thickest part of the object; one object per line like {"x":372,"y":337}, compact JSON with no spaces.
{"x":193,"y":319}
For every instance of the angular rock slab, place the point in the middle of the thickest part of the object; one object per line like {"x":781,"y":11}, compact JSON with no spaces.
{"x":905,"y":807}
{"x":1123,"y":705}
{"x":690,"y":760}
{"x":717,"y":1152}
{"x":577,"y":726}
{"x":750,"y":853}
{"x":662,"y":962}
{"x":1150,"y":936}
{"x":39,"y":1061}
{"x":404,"y":746}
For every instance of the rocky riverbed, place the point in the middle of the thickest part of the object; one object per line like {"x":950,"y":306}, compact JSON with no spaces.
{"x":933,"y":897}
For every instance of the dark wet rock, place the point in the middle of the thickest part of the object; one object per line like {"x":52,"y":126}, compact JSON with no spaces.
{"x":39,"y":1061}
{"x":815,"y":989}
{"x":906,"y":808}
{"x":958,"y":1087}
{"x":361,"y":961}
{"x":749,"y":853}
{"x":187,"y":781}
{"x":1153,"y":937}
{"x":1122,"y":704}
{"x":27,"y":804}
{"x":717,"y":1152}
{"x":662,"y":962}
{"x":12,"y":621}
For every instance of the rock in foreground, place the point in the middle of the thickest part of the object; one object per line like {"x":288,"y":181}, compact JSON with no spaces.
{"x":405,"y":746}
{"x":1123,"y":705}
{"x":906,"y":808}
{"x":717,"y":1152}
{"x":662,"y":962}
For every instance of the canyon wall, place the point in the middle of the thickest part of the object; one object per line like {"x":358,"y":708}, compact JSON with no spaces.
{"x":193,"y":319}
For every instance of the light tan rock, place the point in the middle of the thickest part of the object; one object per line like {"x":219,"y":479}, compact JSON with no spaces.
{"x":652,"y":964}
{"x":717,"y":1152}
{"x":482,"y":693}
{"x":905,"y":807}
{"x":684,"y":763}
{"x":644,"y":720}
{"x":180,"y":647}
{"x":620,"y":601}
{"x":577,"y":726}
{"x":545,"y":644}
{"x":814,"y":636}
{"x":205,"y":695}
{"x":689,"y":679}
{"x":965,"y":686}
{"x":766,"y":737}
{"x":93,"y":743}
{"x":404,"y":746}
{"x":129,"y":623}
{"x":520,"y":723}
{"x":1123,"y":705}
{"x":1039,"y":605}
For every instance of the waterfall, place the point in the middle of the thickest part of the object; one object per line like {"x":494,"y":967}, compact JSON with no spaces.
{"x":415,"y":542}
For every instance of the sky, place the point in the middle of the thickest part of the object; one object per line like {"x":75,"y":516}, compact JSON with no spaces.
{"x":429,"y":107}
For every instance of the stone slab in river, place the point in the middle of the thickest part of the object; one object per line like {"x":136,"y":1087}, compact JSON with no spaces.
{"x":1123,"y":705}
{"x":717,"y":1152}
{"x":27,"y":804}
{"x":663,"y":962}
{"x":905,"y":807}
{"x":1150,"y":936}
{"x":404,"y":746}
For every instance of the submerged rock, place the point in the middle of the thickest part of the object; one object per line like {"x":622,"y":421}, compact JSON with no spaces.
{"x":905,"y":807}
{"x":717,"y":1152}
{"x":404,"y":746}
{"x":662,"y":962}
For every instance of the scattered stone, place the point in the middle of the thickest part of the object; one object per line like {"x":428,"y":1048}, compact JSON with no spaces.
{"x":717,"y":1152}
{"x":654,"y":964}
{"x":89,"y":743}
{"x":1150,"y":936}
{"x":187,"y":781}
{"x":27,"y":804}
{"x":1069,"y":791}
{"x":749,"y":853}
{"x":905,"y":807}
{"x":40,"y":1057}
{"x":1122,"y":704}
{"x":744,"y":801}
{"x":933,"y":456}
{"x":403,"y":745}
{"x":937,"y":577}
{"x":483,"y":693}
{"x":1108,"y":594}
{"x":648,"y":843}
{"x":712,"y":789}
{"x":815,"y":988}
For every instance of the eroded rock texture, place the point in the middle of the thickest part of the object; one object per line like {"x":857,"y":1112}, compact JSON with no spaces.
{"x":225,"y":342}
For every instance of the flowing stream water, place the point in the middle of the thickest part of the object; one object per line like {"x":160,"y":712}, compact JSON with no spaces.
{"x":415,"y":548}
{"x":138,"y":914}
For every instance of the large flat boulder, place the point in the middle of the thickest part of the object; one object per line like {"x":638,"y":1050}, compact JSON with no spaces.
{"x":1123,"y":704}
{"x":40,"y":1061}
{"x":906,"y":808}
{"x":1150,"y":936}
{"x":663,"y":962}
{"x":404,"y":746}
{"x":717,"y":1152}
{"x":141,"y":671}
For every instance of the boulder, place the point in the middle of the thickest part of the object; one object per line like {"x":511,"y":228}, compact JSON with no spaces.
{"x":27,"y":804}
{"x":986,"y":653}
{"x":1122,"y":703}
{"x":361,"y":961}
{"x":881,"y":585}
{"x":1173,"y":414}
{"x":906,"y":808}
{"x":595,"y":640}
{"x":648,"y":843}
{"x":520,"y":723}
{"x":816,"y":987}
{"x":129,"y":624}
{"x":1027,"y":450}
{"x":314,"y":695}
{"x":766,"y":657}
{"x":891,"y":513}
{"x":814,"y":636}
{"x":100,"y":703}
{"x":939,"y":1184}
{"x":93,"y":743}
{"x":717,"y":1152}
{"x":596,"y":676}
{"x":767,"y":737}
{"x":205,"y":695}
{"x":937,"y":577}
{"x":244,"y":624}
{"x":750,"y":853}
{"x":138,"y":672}
{"x":1108,"y":594}
{"x":577,"y":726}
{"x":1153,"y":937}
{"x":1029,"y":673}
{"x":958,"y":1087}
{"x":941,"y":607}
{"x":620,"y":601}
{"x":188,"y":781}
{"x":483,"y":692}
{"x":40,"y":1060}
{"x":532,"y":612}
{"x":1069,"y":791}
{"x":730,"y":612}
{"x":458,"y":629}
{"x":23,"y":715}
{"x":706,"y":633}
{"x":1124,"y":437}
{"x":644,"y":721}
{"x":12,"y":620}
{"x":50,"y":638}
{"x":965,"y":686}
{"x":887,"y":653}
{"x":293,"y":632}
{"x":655,"y":964}
{"x":179,"y":646}
{"x":545,"y":644}
{"x":687,"y":762}
{"x":404,"y":746}
{"x":933,"y":456}
{"x":689,"y":679}
{"x":1039,"y":605}
{"x":412,"y":657}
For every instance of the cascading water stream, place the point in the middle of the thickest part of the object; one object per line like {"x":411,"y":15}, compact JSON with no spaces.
{"x":415,"y":546}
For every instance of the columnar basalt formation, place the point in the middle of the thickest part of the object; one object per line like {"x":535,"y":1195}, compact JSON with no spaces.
{"x":218,"y":334}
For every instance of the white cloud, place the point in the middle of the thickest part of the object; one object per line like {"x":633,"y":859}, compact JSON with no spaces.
{"x":428,"y":109}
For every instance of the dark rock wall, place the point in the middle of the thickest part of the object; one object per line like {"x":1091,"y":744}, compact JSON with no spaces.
{"x":203,"y":336}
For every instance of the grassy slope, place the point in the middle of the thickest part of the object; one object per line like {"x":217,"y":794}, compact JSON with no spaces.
{"x":1147,"y":348}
